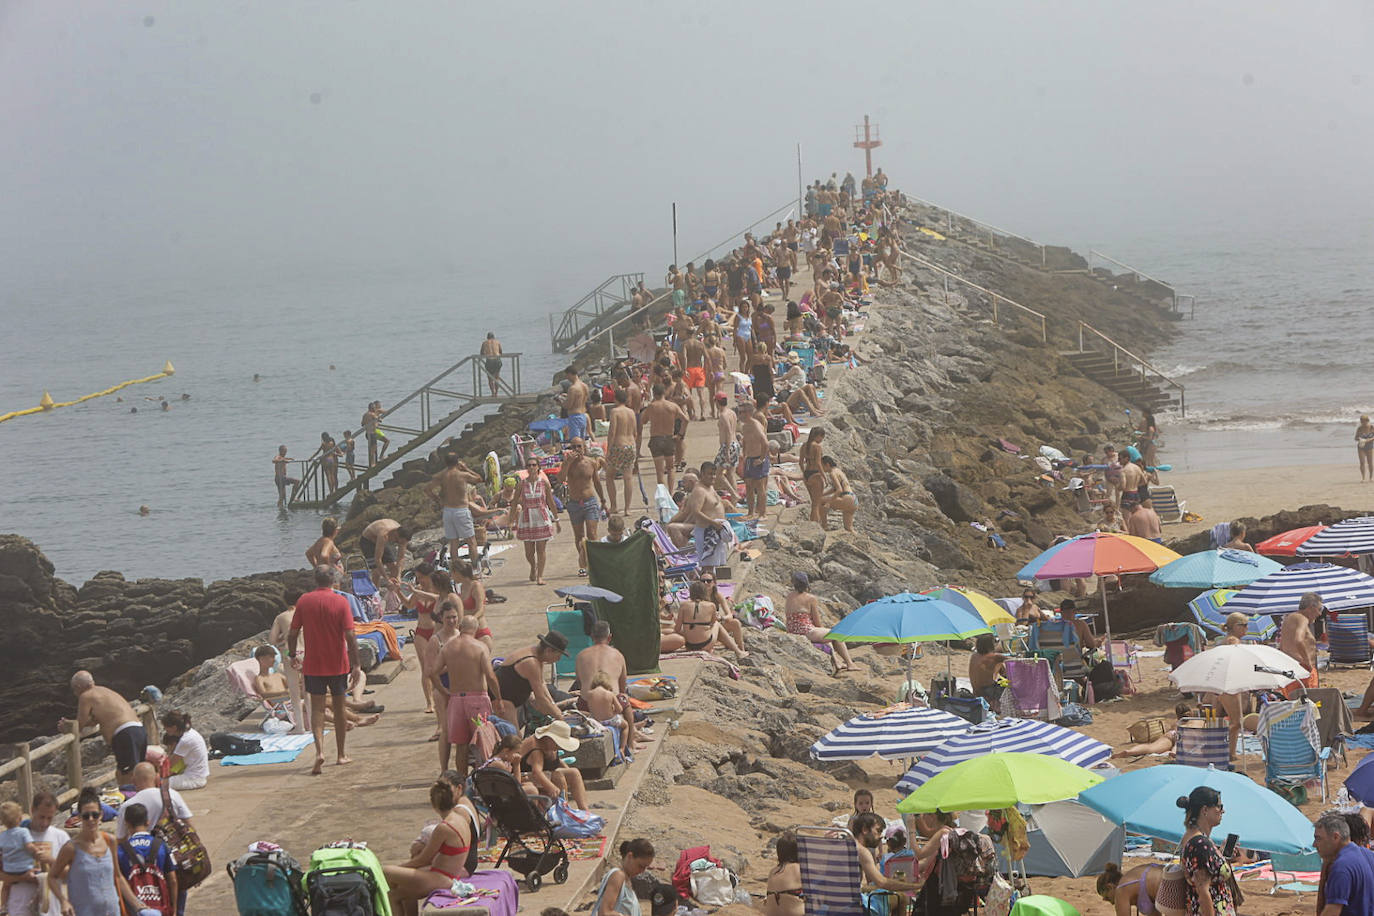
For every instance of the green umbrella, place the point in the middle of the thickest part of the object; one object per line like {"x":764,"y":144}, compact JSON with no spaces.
{"x":999,"y":781}
{"x":1043,"y":905}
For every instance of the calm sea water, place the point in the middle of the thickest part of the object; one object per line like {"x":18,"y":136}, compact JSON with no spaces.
{"x":1273,"y":363}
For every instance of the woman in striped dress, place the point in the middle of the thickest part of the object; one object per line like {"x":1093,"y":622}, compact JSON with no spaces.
{"x":536,"y":517}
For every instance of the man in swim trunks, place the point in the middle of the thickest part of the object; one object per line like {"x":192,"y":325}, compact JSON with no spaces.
{"x":727,"y":425}
{"x":620,"y":446}
{"x":704,"y":511}
{"x":575,"y":404}
{"x":1297,"y":642}
{"x":120,"y":728}
{"x":754,"y":446}
{"x":450,"y":488}
{"x":491,"y":349}
{"x":385,"y":543}
{"x":694,"y":362}
{"x":663,"y":418}
{"x":584,"y":486}
{"x":471,"y":689}
{"x":678,"y":285}
{"x":279,"y":465}
{"x":603,"y":658}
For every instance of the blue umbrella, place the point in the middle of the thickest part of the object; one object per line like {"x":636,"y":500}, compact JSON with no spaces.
{"x":1351,"y":537}
{"x":1341,"y":589}
{"x":1143,"y":802}
{"x":588,"y":593}
{"x":1025,"y":735}
{"x":1214,"y":569}
{"x":1209,"y":609}
{"x":908,"y":618}
{"x":891,"y":735}
{"x":1360,"y":782}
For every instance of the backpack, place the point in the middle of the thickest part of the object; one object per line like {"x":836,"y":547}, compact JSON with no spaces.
{"x":146,"y":879}
{"x":973,"y":859}
{"x":226,"y":744}
{"x":267,"y":884}
{"x":346,"y":880}
{"x":193,"y":859}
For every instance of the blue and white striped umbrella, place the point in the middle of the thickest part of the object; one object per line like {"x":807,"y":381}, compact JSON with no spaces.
{"x":1352,"y":537}
{"x":890,"y":735}
{"x":1025,"y":735}
{"x":1278,"y":593}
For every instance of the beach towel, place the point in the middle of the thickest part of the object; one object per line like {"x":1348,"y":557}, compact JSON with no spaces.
{"x":248,"y":760}
{"x":494,"y":891}
{"x":630,"y":569}
{"x":388,"y":633}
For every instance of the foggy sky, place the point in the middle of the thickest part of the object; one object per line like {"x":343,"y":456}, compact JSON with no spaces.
{"x":222,"y":138}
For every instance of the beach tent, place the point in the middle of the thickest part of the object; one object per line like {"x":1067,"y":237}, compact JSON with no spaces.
{"x":1068,"y":840}
{"x":629,"y":569}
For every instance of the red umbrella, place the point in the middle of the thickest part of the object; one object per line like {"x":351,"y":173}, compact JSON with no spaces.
{"x":1286,"y":544}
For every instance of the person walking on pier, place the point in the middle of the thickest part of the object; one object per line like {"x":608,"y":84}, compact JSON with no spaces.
{"x":575,"y":404}
{"x":450,"y":488}
{"x":580,"y":475}
{"x":491,"y":350}
{"x":536,"y":517}
{"x":331,"y":659}
{"x":620,"y":447}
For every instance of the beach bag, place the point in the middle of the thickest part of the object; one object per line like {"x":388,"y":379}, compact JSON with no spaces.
{"x":1293,"y":791}
{"x":682,"y":871}
{"x":267,"y":883}
{"x":1001,"y":895}
{"x":193,"y":859}
{"x":973,"y":859}
{"x":1074,"y":715}
{"x":1102,"y":676}
{"x":571,"y":823}
{"x":146,"y":879}
{"x":346,"y":879}
{"x":1172,"y":898}
{"x":1143,"y":731}
{"x":714,"y":886}
{"x":653,"y":688}
{"x":224,"y":744}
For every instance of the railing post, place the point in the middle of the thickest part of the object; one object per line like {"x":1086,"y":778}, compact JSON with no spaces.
{"x":149,"y":717}
{"x":946,"y":289}
{"x":1116,"y":360}
{"x":1044,"y":332}
{"x":25,"y":775}
{"x":75,"y":773}
{"x":610,"y":342}
{"x":1080,"y":337}
{"x":1042,"y":257}
{"x":994,"y":310}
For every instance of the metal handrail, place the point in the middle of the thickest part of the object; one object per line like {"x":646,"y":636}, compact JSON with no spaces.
{"x":1044,"y":325}
{"x":666,"y":294}
{"x":1139,"y":274}
{"x":569,"y":327}
{"x":949,"y":219}
{"x":1142,"y":365}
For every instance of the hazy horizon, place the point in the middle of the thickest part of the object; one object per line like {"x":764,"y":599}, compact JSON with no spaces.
{"x":158,"y":140}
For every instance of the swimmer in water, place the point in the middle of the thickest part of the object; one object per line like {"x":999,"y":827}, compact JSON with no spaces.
{"x":144,"y":510}
{"x":185,"y":396}
{"x":256,"y":377}
{"x":166,"y":406}
{"x":133,"y":410}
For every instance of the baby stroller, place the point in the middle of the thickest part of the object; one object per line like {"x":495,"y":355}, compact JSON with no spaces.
{"x":531,"y":848}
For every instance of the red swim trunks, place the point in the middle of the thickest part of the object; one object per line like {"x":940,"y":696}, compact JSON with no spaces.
{"x":695,"y":376}
{"x":462,"y":709}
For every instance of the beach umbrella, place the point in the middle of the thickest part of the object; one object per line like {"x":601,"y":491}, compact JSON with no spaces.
{"x":1237,"y":669}
{"x":1023,"y":735}
{"x":908,"y":618}
{"x":1214,"y":569}
{"x":1211,"y":607}
{"x":1360,"y":782}
{"x":1352,"y":537}
{"x":999,"y":780}
{"x":1068,"y":840}
{"x":898,"y":732}
{"x":1143,"y":802}
{"x":1099,"y":553}
{"x":1286,"y":544}
{"x":588,"y":593}
{"x":970,"y":600}
{"x":1043,"y":905}
{"x":1277,"y":593}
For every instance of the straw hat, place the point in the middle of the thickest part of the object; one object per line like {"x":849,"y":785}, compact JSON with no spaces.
{"x":793,"y":357}
{"x":559,"y":733}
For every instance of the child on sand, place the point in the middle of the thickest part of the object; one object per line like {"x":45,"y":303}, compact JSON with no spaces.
{"x":17,"y":849}
{"x":604,"y":704}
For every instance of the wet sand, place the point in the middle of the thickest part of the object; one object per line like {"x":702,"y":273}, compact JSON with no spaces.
{"x":1223,"y":495}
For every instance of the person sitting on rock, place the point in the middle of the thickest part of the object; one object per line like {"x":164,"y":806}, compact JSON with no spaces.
{"x":271,"y":686}
{"x":985,"y":666}
{"x":803,"y":614}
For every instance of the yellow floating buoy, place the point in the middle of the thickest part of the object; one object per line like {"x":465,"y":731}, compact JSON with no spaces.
{"x":46,"y":402}
{"x":168,"y":368}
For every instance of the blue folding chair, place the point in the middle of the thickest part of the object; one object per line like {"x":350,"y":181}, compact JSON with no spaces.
{"x":830,"y":872}
{"x":1200,"y":745}
{"x":1348,"y":634}
{"x":1287,"y":730}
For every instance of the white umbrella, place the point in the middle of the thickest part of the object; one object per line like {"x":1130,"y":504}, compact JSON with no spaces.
{"x":1237,"y":669}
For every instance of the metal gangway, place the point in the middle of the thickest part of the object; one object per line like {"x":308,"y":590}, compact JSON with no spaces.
{"x":411,"y":423}
{"x":592,"y":312}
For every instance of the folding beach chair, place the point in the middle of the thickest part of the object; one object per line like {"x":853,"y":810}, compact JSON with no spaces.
{"x":1124,"y":659}
{"x":241,"y":674}
{"x":830,"y":872}
{"x":1167,"y":505}
{"x":1032,"y":692}
{"x":1334,"y":721}
{"x":1213,"y":618}
{"x":1048,"y":638}
{"x":1201,"y":744}
{"x":1288,"y":732}
{"x":676,"y":562}
{"x":572,"y":619}
{"x":1292,"y":864}
{"x":1348,"y":633}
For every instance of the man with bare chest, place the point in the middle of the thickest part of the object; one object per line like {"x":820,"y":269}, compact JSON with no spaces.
{"x":727,"y":425}
{"x":694,"y":369}
{"x":620,"y":448}
{"x":575,"y":404}
{"x":754,"y":446}
{"x":579,"y":473}
{"x":450,"y":488}
{"x":664,"y":419}
{"x":704,"y":511}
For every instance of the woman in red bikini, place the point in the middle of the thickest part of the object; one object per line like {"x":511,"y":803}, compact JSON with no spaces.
{"x":474,"y":598}
{"x":431,"y":586}
{"x":449,"y":855}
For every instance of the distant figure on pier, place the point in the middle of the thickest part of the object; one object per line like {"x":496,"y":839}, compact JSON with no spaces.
{"x":491,"y":349}
{"x":279,"y":467}
{"x":119,"y":726}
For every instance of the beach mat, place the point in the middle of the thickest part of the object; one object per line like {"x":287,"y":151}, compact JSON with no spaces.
{"x":282,"y":742}
{"x":630,"y":569}
{"x":262,"y":757}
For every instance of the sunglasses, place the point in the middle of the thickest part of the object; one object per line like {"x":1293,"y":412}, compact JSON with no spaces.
{"x":90,"y":815}
{"x":709,"y":581}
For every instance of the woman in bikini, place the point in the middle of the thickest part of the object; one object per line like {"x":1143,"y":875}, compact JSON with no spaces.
{"x":783,"y":893}
{"x":716,"y":365}
{"x":839,"y":494}
{"x":803,"y":614}
{"x":1137,"y":887}
{"x":449,"y":615}
{"x":813,"y":472}
{"x":724,"y":613}
{"x":696,"y":628}
{"x":430,"y":587}
{"x":1364,"y":448}
{"x":712,"y":279}
{"x":448,"y":856}
{"x":474,"y":598}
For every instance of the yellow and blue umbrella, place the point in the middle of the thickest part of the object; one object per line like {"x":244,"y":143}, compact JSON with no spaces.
{"x":990,"y":611}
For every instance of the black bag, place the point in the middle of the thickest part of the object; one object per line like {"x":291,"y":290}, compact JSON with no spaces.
{"x":1104,"y":681}
{"x":341,"y":892}
{"x":224,"y":744}
{"x":776,"y":424}
{"x":971,"y":709}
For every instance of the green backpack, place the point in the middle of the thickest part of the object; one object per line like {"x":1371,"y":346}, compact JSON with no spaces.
{"x":342,"y":878}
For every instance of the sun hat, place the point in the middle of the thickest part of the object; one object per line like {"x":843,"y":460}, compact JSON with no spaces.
{"x":555,"y":640}
{"x":558,"y":732}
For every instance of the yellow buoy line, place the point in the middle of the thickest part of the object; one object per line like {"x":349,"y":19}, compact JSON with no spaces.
{"x":47,"y":403}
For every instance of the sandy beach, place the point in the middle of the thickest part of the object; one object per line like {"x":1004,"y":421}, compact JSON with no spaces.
{"x":1220,"y":496}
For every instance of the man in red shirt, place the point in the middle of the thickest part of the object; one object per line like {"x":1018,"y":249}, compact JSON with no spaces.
{"x":331,"y":658}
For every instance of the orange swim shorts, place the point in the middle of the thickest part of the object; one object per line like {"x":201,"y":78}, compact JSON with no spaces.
{"x":696,"y":377}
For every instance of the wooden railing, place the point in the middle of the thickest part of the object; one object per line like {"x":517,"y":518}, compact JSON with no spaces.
{"x":21,"y":766}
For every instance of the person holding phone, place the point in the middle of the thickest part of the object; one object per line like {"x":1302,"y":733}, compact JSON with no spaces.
{"x":1210,"y":883}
